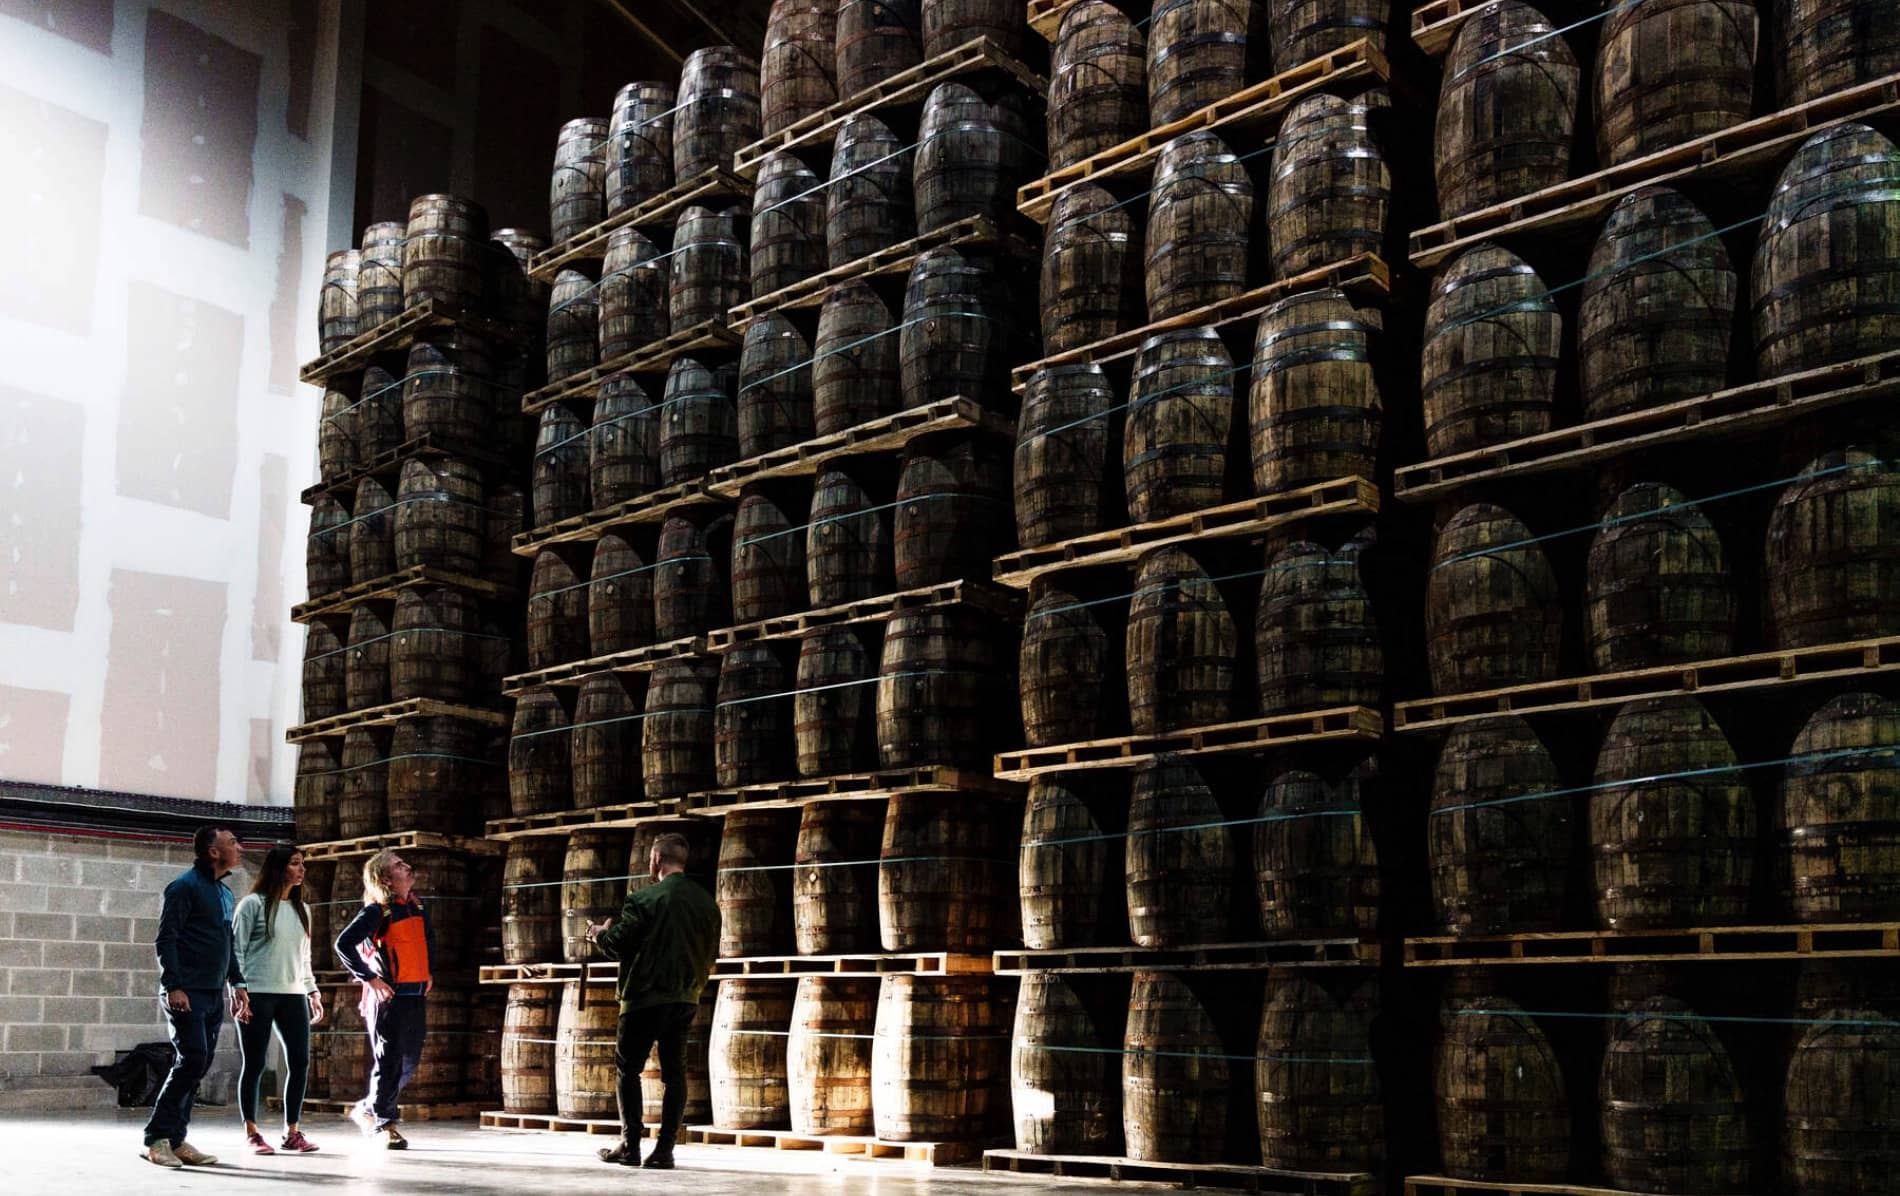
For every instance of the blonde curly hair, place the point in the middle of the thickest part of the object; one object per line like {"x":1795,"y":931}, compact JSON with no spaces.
{"x":376,"y":877}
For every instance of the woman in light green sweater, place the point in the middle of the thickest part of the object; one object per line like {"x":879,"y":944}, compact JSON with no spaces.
{"x":272,"y":932}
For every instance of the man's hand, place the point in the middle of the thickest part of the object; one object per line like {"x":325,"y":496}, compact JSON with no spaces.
{"x":241,"y":1004}
{"x":178,"y":1001}
{"x":594,"y":929}
{"x":316,"y":1008}
{"x":428,"y":986}
{"x":381,"y":988}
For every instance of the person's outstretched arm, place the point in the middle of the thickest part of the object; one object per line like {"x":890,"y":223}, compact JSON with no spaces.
{"x":620,"y":939}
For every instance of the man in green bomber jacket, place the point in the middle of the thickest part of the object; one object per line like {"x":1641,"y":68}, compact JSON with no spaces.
{"x":665,"y":938}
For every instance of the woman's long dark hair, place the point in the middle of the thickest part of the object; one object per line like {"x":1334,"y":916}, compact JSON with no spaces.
{"x":270,"y":881}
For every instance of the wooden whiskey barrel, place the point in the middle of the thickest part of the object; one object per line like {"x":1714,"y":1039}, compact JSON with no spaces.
{"x":1200,"y":51}
{"x":936,"y":680}
{"x":868,"y":201}
{"x":540,"y":776}
{"x":440,"y":518}
{"x":1063,"y":868}
{"x":1507,"y":109}
{"x":1658,"y":305}
{"x":557,"y":610}
{"x":798,"y":68}
{"x":847,"y":542}
{"x":1833,"y":552}
{"x":876,"y":39}
{"x":442,"y":252}
{"x":1317,"y":1097}
{"x":1671,"y":72}
{"x":834,"y":886}
{"x":593,"y":886}
{"x":775,"y":386}
{"x":1174,"y":1074}
{"x":676,"y":734}
{"x":973,"y":150}
{"x":1329,"y":189}
{"x":317,"y":880}
{"x":1316,"y":636}
{"x":707,"y":272}
{"x":938,"y":1057}
{"x":573,"y":331}
{"x":639,"y":145}
{"x":1181,"y":646}
{"x":832,"y":714}
{"x":854,"y":374}
{"x":1314,"y":411}
{"x":325,"y":673}
{"x":318,"y":787}
{"x":1673,"y":1112}
{"x":516,"y":297}
{"x":828,"y":1053}
{"x":345,"y":1054}
{"x":1200,"y":218}
{"x":379,"y":273}
{"x":372,"y":532}
{"x":1315,"y":863}
{"x":1091,"y":280}
{"x":584,"y":1072}
{"x":1657,"y":585}
{"x":366,"y":658}
{"x":717,"y":115}
{"x":1068,"y":453}
{"x":339,"y":310}
{"x":623,"y":443}
{"x":747,"y":1054}
{"x":1493,"y":616}
{"x":1502,"y":1111}
{"x":336,"y":429}
{"x":604,"y":755}
{"x":952,"y":512}
{"x":955,"y":338}
{"x":768,"y":557}
{"x":504,"y":518}
{"x":689,"y":587}
{"x":531,"y":900}
{"x":432,"y":646}
{"x":379,"y":424}
{"x":1098,"y":83}
{"x":436,"y":767}
{"x":1064,"y":1088}
{"x":1179,"y":861}
{"x":699,"y":424}
{"x":447,"y":882}
{"x":752,"y":717}
{"x":951,"y":23}
{"x":788,"y":224}
{"x":631,"y":298}
{"x":577,"y":199}
{"x":1302,"y":30}
{"x":1496,"y":854}
{"x":481,"y":1060}
{"x":1828,"y":45}
{"x":1065,"y":666}
{"x":1492,"y":350}
{"x":619,"y":598}
{"x":938,"y":874}
{"x":446,"y":392}
{"x":1840,"y":1105}
{"x":1180,"y":413}
{"x":363,"y":809}
{"x":1839,"y":814}
{"x":327,"y":549}
{"x":527,"y":1048}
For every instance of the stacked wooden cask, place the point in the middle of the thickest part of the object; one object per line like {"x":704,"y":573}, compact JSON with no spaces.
{"x":1274,"y":392}
{"x":1675,"y":811}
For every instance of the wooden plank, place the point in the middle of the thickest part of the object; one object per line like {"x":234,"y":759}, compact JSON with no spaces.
{"x":652,"y":507}
{"x":934,"y":1154}
{"x":1256,"y":110}
{"x":791,"y":967}
{"x":1450,"y":1186}
{"x":367,"y":845}
{"x":604,"y":973}
{"x":1340,"y":725}
{"x":889,"y":434}
{"x":856,"y":786}
{"x":659,"y":212}
{"x":983,"y":596}
{"x":502,"y":1119}
{"x":633,"y":660}
{"x":1760,"y":671}
{"x":1365,"y":274}
{"x":562,"y":822}
{"x":1750,"y":150}
{"x":406,"y":1110}
{"x":378,"y":716}
{"x":1045,"y":16}
{"x":388,"y":465}
{"x":1211,"y":957}
{"x":1716,"y":944}
{"x":399,"y":333}
{"x":387,"y":587}
{"x":1436,"y":23}
{"x":1248,"y":518}
{"x":651,"y":358}
{"x":1752,"y":408}
{"x":1193,"y":1175}
{"x":909,"y":86}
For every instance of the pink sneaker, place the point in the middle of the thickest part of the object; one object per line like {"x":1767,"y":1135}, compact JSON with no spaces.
{"x":298,"y":1143}
{"x":257,"y":1143}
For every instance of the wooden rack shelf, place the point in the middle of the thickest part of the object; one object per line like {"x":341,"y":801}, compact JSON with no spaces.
{"x":1757,"y":671}
{"x":604,"y":972}
{"x":931,"y":1154}
{"x":1248,"y":518}
{"x":367,"y":845}
{"x":910,"y":86}
{"x":502,"y":1119}
{"x":399,"y":333}
{"x":389,"y":465}
{"x":651,"y":358}
{"x":661,"y":211}
{"x":982,"y":596}
{"x":855,"y":786}
{"x":1441,"y":1185}
{"x":887,"y":434}
{"x":1436,"y":23}
{"x":1750,"y":150}
{"x":1045,"y":16}
{"x":1706,"y":944}
{"x":1741,"y":410}
{"x":386,"y":587}
{"x":393,"y":712}
{"x":1191,"y":1175}
{"x":562,"y":822}
{"x":926,"y":963}
{"x":1212,"y":957}
{"x":651,"y":507}
{"x":1256,"y":110}
{"x":1342,"y":724}
{"x":633,"y":660}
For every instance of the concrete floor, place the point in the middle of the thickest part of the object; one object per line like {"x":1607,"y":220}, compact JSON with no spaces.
{"x":95,"y":1154}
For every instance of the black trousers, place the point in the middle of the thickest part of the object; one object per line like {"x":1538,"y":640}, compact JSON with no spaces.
{"x":638,"y":1031}
{"x":289,"y":1015}
{"x":395,"y":1045}
{"x":194,"y":1042}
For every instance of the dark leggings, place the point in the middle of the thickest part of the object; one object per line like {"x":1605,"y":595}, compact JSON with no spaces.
{"x":290,"y":1014}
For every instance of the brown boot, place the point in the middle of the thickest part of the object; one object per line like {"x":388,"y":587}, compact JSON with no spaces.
{"x":627,"y":1154}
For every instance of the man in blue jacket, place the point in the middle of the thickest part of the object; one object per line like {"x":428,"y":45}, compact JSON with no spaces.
{"x":196,"y":960}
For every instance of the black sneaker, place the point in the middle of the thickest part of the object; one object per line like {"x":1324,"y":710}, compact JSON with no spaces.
{"x":626,"y":1154}
{"x":659,"y":1160}
{"x":396,"y":1140}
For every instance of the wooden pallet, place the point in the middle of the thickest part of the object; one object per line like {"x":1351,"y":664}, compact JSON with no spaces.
{"x":399,"y":333}
{"x":1751,"y":150}
{"x":1753,"y":408}
{"x":367,"y":845}
{"x":1191,"y":1175}
{"x":1248,"y":518}
{"x":1758,"y":671}
{"x":1045,"y":16}
{"x":929,"y":963}
{"x":502,"y":1119}
{"x":651,"y":507}
{"x":1436,"y":23}
{"x":932,"y":1154}
{"x":562,"y":822}
{"x":389,"y":465}
{"x":653,"y":358}
{"x":406,"y":1110}
{"x":633,"y":660}
{"x":659,"y":212}
{"x":889,"y":434}
{"x":1256,"y":110}
{"x":1717,"y":944}
{"x":393,"y":712}
{"x":1342,"y":724}
{"x":982,"y":596}
{"x":1364,"y":274}
{"x":388,"y":586}
{"x":855,"y":786}
{"x":1214,"y":957}
{"x":1419,"y":1185}
{"x":603,"y":973}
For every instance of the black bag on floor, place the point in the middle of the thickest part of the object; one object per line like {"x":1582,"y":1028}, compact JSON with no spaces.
{"x":138,"y":1074}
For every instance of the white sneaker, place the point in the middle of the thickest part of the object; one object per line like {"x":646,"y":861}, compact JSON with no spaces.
{"x":364,"y":1119}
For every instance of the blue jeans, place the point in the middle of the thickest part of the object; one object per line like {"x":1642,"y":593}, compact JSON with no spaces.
{"x":194,"y":1041}
{"x":395,"y":1044}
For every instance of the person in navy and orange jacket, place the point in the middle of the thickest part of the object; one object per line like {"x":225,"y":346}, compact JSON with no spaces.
{"x":387,"y":947}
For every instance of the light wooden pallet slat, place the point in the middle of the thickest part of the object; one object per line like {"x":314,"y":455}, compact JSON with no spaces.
{"x":389,"y":465}
{"x":1365,"y":274}
{"x":1740,"y":150}
{"x":1045,"y":16}
{"x":889,"y":434}
{"x":1751,"y":408}
{"x":502,"y":1119}
{"x":984,"y":596}
{"x":791,"y":967}
{"x":934,"y":1154}
{"x":855,"y":786}
{"x":652,"y":358}
{"x":1707,"y":944}
{"x":660,"y":211}
{"x":379,"y":716}
{"x":387,"y":587}
{"x":633,"y":660}
{"x":1339,"y":725}
{"x":1436,"y":23}
{"x":1757,"y":671}
{"x":399,"y":333}
{"x":1210,"y":957}
{"x":1250,"y":517}
{"x":652,"y":507}
{"x":562,"y":822}
{"x":1255,"y":107}
{"x":367,"y":845}
{"x":1192,"y":1175}
{"x":600,"y":973}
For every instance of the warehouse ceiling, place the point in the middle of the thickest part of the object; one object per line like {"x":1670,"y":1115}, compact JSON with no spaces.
{"x":678,"y":27}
